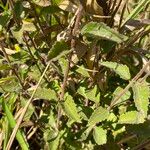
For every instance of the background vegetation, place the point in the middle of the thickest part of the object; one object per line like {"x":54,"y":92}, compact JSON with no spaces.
{"x":74,"y":74}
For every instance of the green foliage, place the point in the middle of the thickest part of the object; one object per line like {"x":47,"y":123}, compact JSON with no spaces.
{"x":72,"y":79}
{"x":123,"y":98}
{"x":4,"y":18}
{"x":70,"y":108}
{"x":44,"y":93}
{"x":102,"y":31}
{"x":100,"y":135}
{"x":121,"y":70}
{"x":99,"y":115}
{"x":141,"y":96}
{"x":131,"y":117}
{"x":92,"y":94}
{"x":57,"y":49}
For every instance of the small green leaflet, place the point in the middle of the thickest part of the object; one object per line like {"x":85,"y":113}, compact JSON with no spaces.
{"x":141,"y":96}
{"x":81,"y":91}
{"x":100,"y":135}
{"x":4,"y":18}
{"x":112,"y":117}
{"x":18,"y":9}
{"x":102,"y":31}
{"x":92,"y":94}
{"x":57,"y":49}
{"x":123,"y":98}
{"x":63,"y":64}
{"x":44,"y":93}
{"x":70,"y":108}
{"x":100,"y":114}
{"x":50,"y":134}
{"x":122,"y":70}
{"x":131,"y":117}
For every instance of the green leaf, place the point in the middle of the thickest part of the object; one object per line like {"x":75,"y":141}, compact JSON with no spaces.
{"x":28,"y":26}
{"x":9,"y":84}
{"x":99,"y":115}
{"x":112,"y":117}
{"x":57,"y":49}
{"x":123,"y":98}
{"x":63,"y":63}
{"x":141,"y":96}
{"x":55,"y":144}
{"x":50,"y":134}
{"x":44,"y":93}
{"x":131,"y":117}
{"x":100,"y":135}
{"x":93,"y":94}
{"x":102,"y":31}
{"x":6,"y":80}
{"x":122,"y":70}
{"x":18,"y":32}
{"x":4,"y":66}
{"x":18,"y":9}
{"x":81,"y":90}
{"x":4,"y":18}
{"x":70,"y":108}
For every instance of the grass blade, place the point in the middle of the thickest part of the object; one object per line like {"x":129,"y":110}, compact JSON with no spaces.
{"x":12,"y":124}
{"x":137,"y":10}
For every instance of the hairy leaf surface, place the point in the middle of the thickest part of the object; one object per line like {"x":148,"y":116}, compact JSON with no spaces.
{"x":100,"y":135}
{"x":102,"y":31}
{"x":70,"y":108}
{"x":100,"y":114}
{"x":141,"y":96}
{"x":122,"y":70}
{"x":131,"y":117}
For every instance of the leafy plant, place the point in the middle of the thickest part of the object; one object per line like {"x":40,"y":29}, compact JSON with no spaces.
{"x":74,"y":74}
